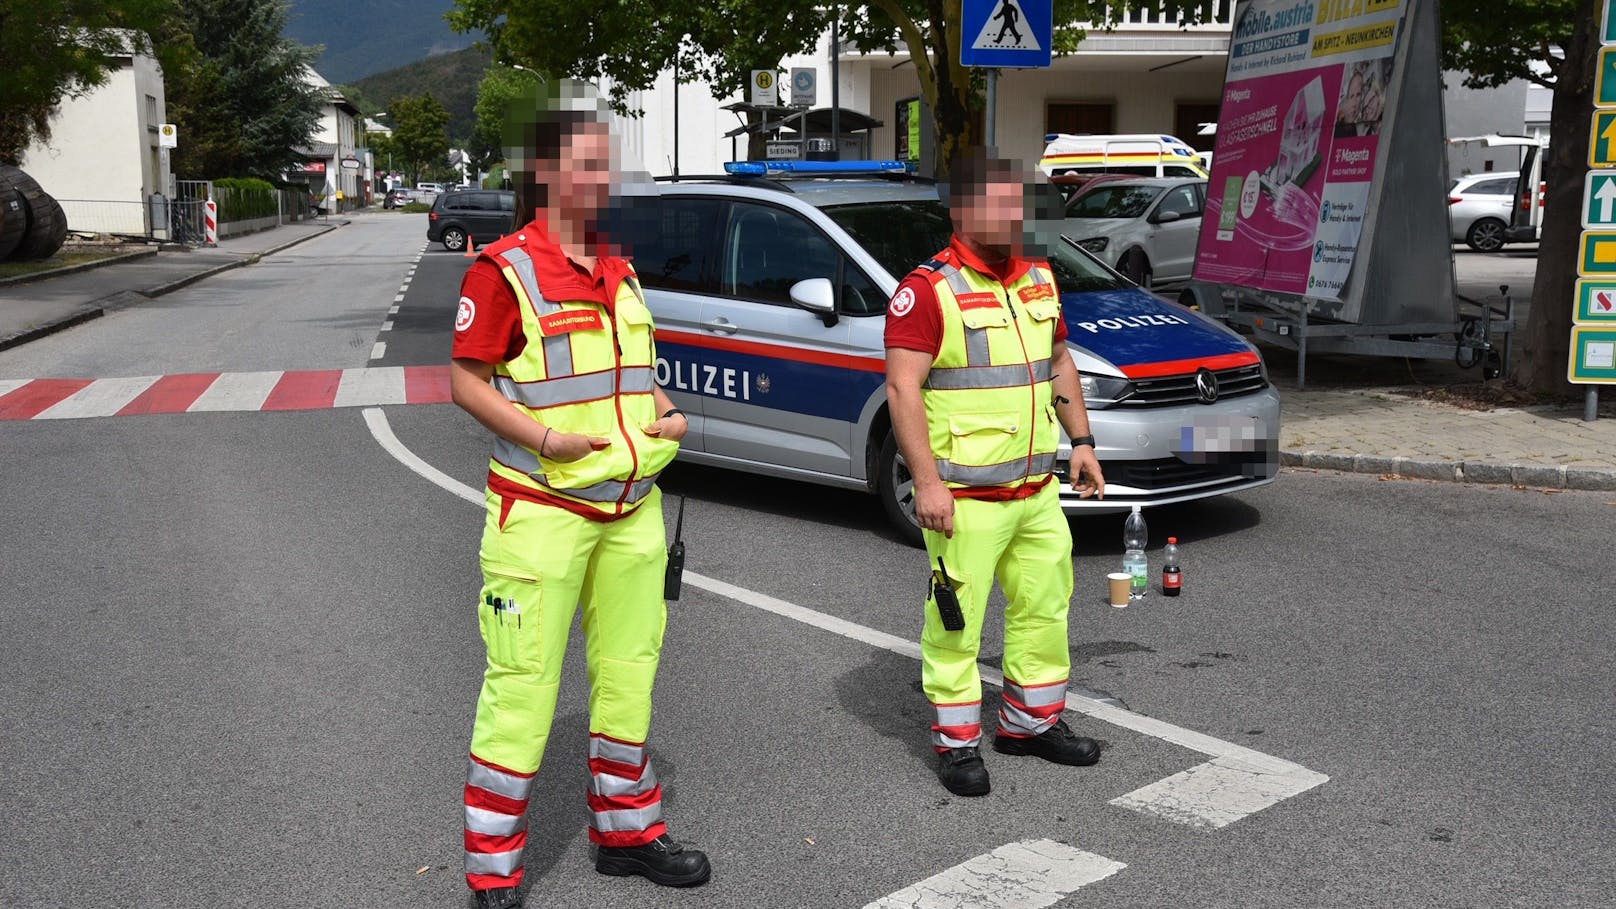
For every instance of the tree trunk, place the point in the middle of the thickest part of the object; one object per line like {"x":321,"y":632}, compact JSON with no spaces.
{"x":951,"y":109}
{"x":1546,"y":345}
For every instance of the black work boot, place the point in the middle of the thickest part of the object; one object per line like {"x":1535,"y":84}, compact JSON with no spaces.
{"x":1058,"y":745}
{"x":662,"y":861}
{"x":962,"y":771}
{"x":497,"y":898}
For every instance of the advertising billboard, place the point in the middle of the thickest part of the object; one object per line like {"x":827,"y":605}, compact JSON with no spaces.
{"x":1299,"y":143}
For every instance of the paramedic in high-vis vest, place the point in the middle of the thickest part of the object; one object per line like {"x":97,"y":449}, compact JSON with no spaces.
{"x":978,"y":377}
{"x":553,"y":353}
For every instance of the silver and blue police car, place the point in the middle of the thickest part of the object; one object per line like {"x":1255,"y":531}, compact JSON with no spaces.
{"x":770,"y":284}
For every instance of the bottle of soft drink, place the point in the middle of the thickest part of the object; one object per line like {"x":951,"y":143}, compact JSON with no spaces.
{"x":1134,"y":539}
{"x":1172,"y":575}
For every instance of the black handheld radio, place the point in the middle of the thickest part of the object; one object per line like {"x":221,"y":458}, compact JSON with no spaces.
{"x":676,"y":557}
{"x":948,"y":608}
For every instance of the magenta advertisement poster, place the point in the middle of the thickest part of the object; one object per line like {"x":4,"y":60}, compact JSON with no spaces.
{"x":1297,"y":143}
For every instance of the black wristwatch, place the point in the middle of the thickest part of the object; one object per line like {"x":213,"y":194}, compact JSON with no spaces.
{"x":673,"y":411}
{"x":1083,"y":440}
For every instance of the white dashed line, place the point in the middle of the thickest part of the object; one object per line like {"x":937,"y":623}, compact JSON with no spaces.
{"x":1237,"y":782}
{"x":1027,"y":875}
{"x":393,"y":310}
{"x":399,"y":299}
{"x":388,"y":325}
{"x":378,"y":350}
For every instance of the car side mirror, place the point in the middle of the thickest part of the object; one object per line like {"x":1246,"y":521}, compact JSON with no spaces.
{"x":1166,"y":217}
{"x":818,"y":296}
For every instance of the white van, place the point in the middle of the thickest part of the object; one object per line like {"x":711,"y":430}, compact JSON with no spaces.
{"x":1142,"y":155}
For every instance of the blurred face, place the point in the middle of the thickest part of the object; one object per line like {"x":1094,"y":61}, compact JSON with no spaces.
{"x":579,"y":181}
{"x":992,"y":213}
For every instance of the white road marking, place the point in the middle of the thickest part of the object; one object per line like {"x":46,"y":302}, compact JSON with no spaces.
{"x":378,"y":350}
{"x":7,"y":386}
{"x":399,"y":299}
{"x":371,"y":385}
{"x":1237,"y":782}
{"x":1027,"y":875}
{"x":237,"y":391}
{"x":388,"y":325}
{"x":393,"y":310}
{"x":101,"y":398}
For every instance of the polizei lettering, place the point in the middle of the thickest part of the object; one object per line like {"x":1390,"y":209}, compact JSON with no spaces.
{"x":705,"y":379}
{"x":1119,"y":324}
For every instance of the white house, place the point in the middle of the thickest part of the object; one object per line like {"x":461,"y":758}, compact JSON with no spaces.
{"x":335,"y":141}
{"x":102,"y":162}
{"x":1146,"y":75}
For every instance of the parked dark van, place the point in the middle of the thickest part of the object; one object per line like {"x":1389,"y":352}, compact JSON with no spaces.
{"x":479,"y":215}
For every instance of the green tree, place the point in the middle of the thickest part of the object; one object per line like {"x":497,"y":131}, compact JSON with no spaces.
{"x":500,"y":86}
{"x":59,"y":49}
{"x":1553,"y":44}
{"x":420,"y":134}
{"x":633,"y":42}
{"x":246,"y":102}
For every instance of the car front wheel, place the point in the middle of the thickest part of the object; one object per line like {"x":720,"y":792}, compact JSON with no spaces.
{"x":1135,"y":267}
{"x":1486,"y":235}
{"x":896,"y":488}
{"x":454,"y":239}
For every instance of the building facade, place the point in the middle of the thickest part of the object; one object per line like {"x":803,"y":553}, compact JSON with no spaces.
{"x":338,"y":186}
{"x":103,"y":162}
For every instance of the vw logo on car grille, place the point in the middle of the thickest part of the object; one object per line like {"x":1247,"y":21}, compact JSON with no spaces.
{"x":1206,"y":386}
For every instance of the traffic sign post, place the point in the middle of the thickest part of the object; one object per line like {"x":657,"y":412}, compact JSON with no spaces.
{"x":1593,"y":339}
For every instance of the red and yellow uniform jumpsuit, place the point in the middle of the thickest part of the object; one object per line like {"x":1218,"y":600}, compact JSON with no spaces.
{"x":573,"y":349}
{"x":991,"y":419}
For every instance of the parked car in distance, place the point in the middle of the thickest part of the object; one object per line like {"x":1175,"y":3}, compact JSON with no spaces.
{"x":1479,"y":209}
{"x":397,"y":197}
{"x":480,"y":216}
{"x":433,"y":188}
{"x":1143,"y":155}
{"x":1144,"y":227}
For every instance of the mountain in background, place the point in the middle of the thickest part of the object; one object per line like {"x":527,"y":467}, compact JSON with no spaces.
{"x":451,"y":78}
{"x":363,"y":37}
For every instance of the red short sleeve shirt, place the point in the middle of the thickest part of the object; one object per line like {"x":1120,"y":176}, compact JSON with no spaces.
{"x":915,"y":317}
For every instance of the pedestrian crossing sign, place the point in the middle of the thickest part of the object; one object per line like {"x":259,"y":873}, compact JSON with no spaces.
{"x":1008,"y":34}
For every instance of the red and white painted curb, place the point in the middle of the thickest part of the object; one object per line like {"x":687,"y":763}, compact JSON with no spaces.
{"x":314,"y":389}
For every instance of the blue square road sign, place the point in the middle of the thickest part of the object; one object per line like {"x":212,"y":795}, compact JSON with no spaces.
{"x":1007,"y":34}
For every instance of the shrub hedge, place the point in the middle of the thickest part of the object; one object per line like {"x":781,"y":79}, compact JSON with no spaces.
{"x":244,"y":198}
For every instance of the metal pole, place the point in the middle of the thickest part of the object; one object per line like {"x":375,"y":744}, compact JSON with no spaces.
{"x":1590,"y":404}
{"x":991,"y":119}
{"x":836,"y":83}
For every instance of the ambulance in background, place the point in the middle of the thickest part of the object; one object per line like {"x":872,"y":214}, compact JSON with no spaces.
{"x":1526,"y":216}
{"x":1141,"y":155}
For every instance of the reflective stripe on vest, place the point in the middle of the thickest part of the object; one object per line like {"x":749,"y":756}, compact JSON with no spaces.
{"x":519,"y":458}
{"x":557,"y":349}
{"x":989,"y":404}
{"x":576,"y":389}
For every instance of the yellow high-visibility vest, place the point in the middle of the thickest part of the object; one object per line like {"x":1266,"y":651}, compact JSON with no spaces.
{"x":989,"y":404}
{"x":584,"y":369}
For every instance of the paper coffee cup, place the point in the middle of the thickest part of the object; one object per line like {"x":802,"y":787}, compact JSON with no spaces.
{"x":1121,"y":587}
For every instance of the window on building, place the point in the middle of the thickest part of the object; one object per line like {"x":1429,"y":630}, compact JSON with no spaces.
{"x":1187,"y":119}
{"x":151,"y":108}
{"x":1080,"y":117}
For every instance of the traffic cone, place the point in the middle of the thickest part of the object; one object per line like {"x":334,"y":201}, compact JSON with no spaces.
{"x":471,"y":247}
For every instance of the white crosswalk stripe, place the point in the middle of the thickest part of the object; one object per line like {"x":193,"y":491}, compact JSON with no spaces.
{"x":1027,"y":875}
{"x":101,"y":398}
{"x":9,"y":385}
{"x":375,"y":385}
{"x":237,"y":391}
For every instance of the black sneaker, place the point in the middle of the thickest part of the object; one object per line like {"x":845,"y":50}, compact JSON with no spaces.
{"x":662,"y":861}
{"x":962,"y":771}
{"x":1058,"y":745}
{"x":497,"y":898}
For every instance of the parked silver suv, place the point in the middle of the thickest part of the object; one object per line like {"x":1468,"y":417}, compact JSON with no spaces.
{"x":770,"y":296}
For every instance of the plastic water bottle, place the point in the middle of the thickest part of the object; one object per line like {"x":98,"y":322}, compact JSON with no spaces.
{"x":1172,"y":575}
{"x":1134,"y":538}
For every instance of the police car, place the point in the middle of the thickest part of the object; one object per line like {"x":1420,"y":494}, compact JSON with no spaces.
{"x":770,"y":285}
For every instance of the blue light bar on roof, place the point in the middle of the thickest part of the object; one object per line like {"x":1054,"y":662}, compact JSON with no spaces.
{"x":826,"y":168}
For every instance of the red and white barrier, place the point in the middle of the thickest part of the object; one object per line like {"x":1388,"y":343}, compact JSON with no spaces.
{"x":210,"y":221}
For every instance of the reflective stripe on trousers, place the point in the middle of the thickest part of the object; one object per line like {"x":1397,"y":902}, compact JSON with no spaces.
{"x":1029,"y":711}
{"x":996,"y":474}
{"x":495,"y":822}
{"x":957,"y":378}
{"x":956,"y":725}
{"x":624,"y":795}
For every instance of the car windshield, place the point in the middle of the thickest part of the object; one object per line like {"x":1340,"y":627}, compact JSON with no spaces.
{"x":1113,"y":200}
{"x":901,"y":235}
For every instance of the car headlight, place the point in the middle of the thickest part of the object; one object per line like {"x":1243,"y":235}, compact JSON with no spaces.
{"x":1103,"y":391}
{"x":1095,"y":244}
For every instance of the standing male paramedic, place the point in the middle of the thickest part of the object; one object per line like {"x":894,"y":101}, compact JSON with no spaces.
{"x":978,"y":374}
{"x":553,"y":352}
